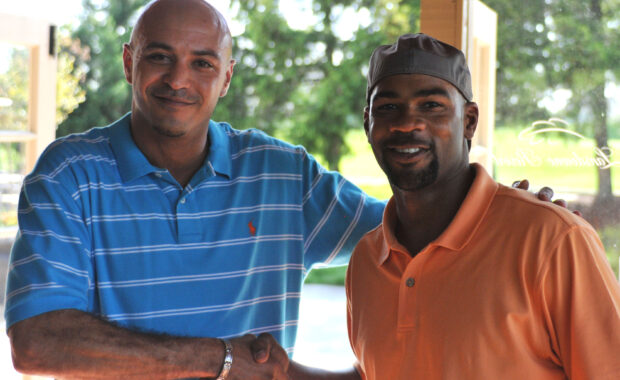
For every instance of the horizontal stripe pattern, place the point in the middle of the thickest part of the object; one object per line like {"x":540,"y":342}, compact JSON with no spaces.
{"x":198,"y":277}
{"x":104,"y":231}
{"x":195,"y":246}
{"x":202,"y":309}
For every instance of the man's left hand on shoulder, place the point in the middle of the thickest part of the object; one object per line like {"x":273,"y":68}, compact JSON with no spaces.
{"x":544,"y":194}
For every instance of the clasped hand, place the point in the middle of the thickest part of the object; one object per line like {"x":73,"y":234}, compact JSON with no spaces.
{"x":258,"y":358}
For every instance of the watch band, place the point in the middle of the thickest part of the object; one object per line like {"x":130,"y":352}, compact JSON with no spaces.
{"x":228,"y":359}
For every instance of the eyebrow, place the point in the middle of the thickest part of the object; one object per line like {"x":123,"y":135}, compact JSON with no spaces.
{"x":164,"y":46}
{"x":418,"y":94}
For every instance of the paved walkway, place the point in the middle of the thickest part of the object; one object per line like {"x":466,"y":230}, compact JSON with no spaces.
{"x":322,"y":340}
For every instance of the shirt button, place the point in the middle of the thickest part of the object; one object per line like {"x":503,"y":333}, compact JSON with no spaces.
{"x":182,"y":200}
{"x":410,"y":282}
{"x":158,"y":175}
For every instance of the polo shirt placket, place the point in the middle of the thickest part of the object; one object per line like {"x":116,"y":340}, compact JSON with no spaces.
{"x":188,"y":231}
{"x":409,"y":289}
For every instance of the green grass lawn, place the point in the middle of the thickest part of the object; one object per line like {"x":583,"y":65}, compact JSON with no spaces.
{"x":565,"y":164}
{"x":554,"y":162}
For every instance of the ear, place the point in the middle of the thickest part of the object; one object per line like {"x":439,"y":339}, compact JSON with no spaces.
{"x":470,"y":120}
{"x":127,"y":62}
{"x":366,"y":122}
{"x":229,"y":74}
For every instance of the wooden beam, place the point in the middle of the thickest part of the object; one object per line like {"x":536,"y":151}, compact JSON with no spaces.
{"x":472,"y":27}
{"x":35,"y":35}
{"x":443,"y":20}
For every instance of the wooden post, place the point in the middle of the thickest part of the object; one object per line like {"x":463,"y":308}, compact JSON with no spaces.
{"x":35,"y":35}
{"x":472,"y":27}
{"x":444,"y":20}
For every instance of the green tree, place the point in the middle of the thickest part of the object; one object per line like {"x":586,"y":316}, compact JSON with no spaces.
{"x":522,"y":55}
{"x":270,"y":66}
{"x":308,"y":85}
{"x":585,"y":54}
{"x":14,"y":85}
{"x":70,"y":79}
{"x":545,"y":45}
{"x":333,"y":104}
{"x":103,"y":28}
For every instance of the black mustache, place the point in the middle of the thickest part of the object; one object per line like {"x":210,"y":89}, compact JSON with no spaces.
{"x":400,"y":139}
{"x":167,"y":92}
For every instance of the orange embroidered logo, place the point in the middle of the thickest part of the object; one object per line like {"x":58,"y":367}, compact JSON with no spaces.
{"x":252,"y":229}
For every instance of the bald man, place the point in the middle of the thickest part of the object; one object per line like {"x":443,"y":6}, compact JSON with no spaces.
{"x":155,"y":247}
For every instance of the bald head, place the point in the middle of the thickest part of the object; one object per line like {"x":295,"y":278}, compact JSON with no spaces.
{"x":198,"y":12}
{"x":179,"y":64}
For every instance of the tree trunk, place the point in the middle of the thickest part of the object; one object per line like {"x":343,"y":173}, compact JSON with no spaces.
{"x":334,"y":153}
{"x":599,"y":109}
{"x":598,"y":103}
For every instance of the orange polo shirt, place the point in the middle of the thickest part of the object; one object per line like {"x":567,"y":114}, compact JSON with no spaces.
{"x":514,"y":289}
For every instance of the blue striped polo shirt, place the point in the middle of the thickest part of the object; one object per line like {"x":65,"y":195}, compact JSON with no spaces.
{"x":103,"y":231}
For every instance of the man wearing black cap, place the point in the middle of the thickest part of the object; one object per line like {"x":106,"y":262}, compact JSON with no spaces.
{"x":457,"y":283}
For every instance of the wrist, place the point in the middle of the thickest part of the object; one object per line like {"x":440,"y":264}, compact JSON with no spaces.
{"x":228,"y":359}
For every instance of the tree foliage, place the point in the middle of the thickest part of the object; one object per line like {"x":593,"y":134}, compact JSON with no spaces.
{"x":545,"y":45}
{"x":104,"y":27}
{"x":585,"y":55}
{"x":14,"y":87}
{"x":308,"y":85}
{"x":70,"y":79}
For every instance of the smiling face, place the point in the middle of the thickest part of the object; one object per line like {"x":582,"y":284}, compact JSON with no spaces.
{"x":418,"y":127}
{"x":178,"y":63}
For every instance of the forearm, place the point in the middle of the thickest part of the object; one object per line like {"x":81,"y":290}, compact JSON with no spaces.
{"x":73,"y":344}
{"x":298,"y":371}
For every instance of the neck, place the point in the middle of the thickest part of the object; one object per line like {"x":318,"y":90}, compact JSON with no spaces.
{"x":182,"y":155}
{"x":423,"y":215}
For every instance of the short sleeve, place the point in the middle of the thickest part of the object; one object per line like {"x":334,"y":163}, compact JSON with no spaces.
{"x":581,"y":304}
{"x":336,"y":214}
{"x":50,"y":264}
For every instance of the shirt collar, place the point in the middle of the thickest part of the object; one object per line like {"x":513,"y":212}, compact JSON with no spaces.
{"x":132,"y":163}
{"x":463,"y":226}
{"x":219,"y":148}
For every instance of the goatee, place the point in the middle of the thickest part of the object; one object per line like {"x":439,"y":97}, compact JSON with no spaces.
{"x":412,"y":180}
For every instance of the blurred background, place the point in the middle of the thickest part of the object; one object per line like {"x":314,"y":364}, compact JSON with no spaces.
{"x":300,"y":75}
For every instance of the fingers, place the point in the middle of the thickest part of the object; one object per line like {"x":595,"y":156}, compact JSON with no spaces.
{"x":561,"y":203}
{"x":261,"y":347}
{"x":545,"y":194}
{"x":523,"y":184}
{"x":270,"y":350}
{"x":258,"y":358}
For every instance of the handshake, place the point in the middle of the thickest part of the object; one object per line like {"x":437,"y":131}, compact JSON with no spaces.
{"x":257,"y":358}
{"x":250,"y":357}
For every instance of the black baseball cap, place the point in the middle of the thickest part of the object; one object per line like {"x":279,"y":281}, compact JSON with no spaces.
{"x":420,"y":54}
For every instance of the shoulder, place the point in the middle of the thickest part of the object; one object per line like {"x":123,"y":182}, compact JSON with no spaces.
{"x":93,"y":141}
{"x":59,"y":161}
{"x":517,"y":208}
{"x":369,"y":247}
{"x":254,"y":140}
